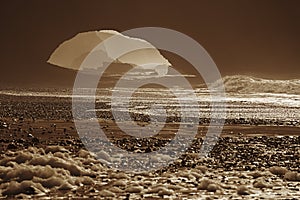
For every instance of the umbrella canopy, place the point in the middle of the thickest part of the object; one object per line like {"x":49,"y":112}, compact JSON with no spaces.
{"x":71,"y":53}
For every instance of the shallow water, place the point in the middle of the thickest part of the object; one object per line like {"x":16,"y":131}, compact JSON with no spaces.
{"x":238,"y":105}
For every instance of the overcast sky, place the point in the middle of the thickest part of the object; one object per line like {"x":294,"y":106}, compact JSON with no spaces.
{"x":242,"y":36}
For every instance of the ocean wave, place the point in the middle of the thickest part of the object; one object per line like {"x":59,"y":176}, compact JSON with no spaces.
{"x":249,"y":84}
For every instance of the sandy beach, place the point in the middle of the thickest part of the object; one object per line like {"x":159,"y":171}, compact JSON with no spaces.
{"x":38,"y":134}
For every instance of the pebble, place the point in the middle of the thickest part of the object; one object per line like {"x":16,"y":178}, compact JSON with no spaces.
{"x":292,"y":176}
{"x":165,"y":191}
{"x":260,"y":184}
{"x":212,"y":188}
{"x":106,"y":193}
{"x":243,"y":190}
{"x":134,"y":189}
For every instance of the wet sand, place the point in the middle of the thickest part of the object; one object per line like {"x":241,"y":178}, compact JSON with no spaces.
{"x":249,"y":161}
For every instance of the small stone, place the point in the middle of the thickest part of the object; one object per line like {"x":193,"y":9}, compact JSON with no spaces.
{"x":212,"y":187}
{"x":278,"y":170}
{"x":292,"y":176}
{"x":260,"y":184}
{"x":243,"y":190}
{"x":106,"y":193}
{"x":164,"y":191}
{"x":134,"y":189}
{"x":204,"y":184}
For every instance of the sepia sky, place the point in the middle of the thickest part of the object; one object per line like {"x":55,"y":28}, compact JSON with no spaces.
{"x":242,"y":36}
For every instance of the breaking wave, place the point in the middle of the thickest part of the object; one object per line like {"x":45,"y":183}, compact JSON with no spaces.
{"x":249,"y":84}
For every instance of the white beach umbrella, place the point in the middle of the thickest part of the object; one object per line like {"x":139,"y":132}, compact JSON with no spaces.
{"x":71,"y":53}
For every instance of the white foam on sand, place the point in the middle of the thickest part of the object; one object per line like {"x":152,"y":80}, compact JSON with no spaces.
{"x":36,"y":171}
{"x":42,"y":172}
